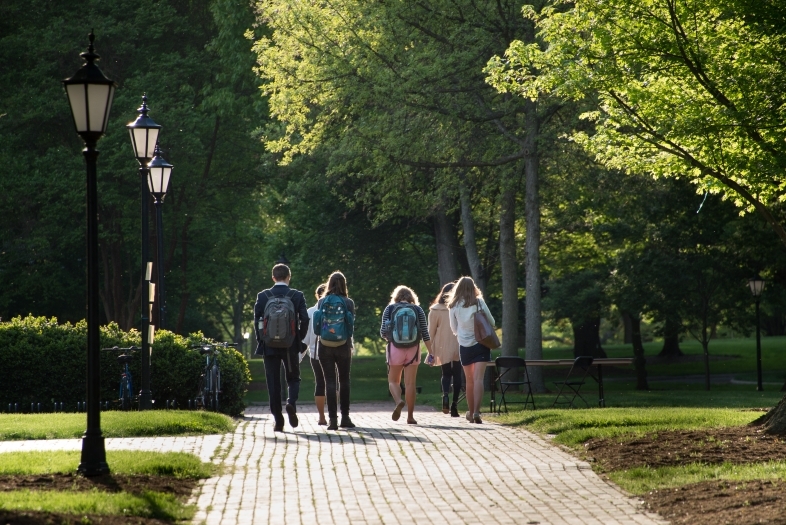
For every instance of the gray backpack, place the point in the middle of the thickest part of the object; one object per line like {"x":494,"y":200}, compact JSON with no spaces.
{"x":277,"y":324}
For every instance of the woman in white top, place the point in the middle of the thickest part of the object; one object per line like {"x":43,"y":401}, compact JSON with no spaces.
{"x":464,"y":301}
{"x":319,"y":376}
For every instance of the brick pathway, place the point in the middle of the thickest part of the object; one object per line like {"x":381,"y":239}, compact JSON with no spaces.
{"x":443,"y":470}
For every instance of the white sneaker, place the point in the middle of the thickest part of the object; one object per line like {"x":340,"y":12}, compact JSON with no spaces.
{"x":468,"y":416}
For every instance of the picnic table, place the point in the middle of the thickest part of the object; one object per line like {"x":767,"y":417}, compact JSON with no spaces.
{"x":598,"y":361}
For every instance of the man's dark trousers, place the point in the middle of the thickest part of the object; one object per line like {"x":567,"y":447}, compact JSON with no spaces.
{"x":289,"y":359}
{"x":275,"y":358}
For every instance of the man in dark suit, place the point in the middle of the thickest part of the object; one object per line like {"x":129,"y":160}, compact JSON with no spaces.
{"x":289,"y":358}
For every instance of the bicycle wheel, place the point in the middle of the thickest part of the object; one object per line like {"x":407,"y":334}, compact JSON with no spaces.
{"x":200,"y":398}
{"x":216,"y":380}
{"x":125,"y":393}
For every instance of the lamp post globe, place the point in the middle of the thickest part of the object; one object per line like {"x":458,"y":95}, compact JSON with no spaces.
{"x":144,"y":136}
{"x":159,"y":172}
{"x":756,"y":285}
{"x":90,"y":96}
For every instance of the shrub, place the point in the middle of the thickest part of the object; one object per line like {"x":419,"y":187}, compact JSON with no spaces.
{"x":46,"y":362}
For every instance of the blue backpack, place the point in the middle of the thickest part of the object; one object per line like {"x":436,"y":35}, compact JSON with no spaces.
{"x":333,"y":322}
{"x":402,"y":328}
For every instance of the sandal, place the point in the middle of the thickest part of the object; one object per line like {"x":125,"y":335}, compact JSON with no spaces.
{"x":397,"y":411}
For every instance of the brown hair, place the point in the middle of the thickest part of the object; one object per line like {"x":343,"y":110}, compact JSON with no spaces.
{"x":337,"y":285}
{"x":402,"y":294}
{"x":465,"y":291}
{"x":320,"y":290}
{"x":281,"y":272}
{"x":443,"y":294}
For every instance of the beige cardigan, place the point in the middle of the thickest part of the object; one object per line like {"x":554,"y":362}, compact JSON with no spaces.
{"x":445,"y":345}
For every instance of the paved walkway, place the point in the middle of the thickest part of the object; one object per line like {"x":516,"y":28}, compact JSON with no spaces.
{"x":443,"y":470}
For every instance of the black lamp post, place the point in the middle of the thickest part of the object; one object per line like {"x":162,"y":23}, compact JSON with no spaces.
{"x":159,"y":171}
{"x":144,"y":137}
{"x":90,"y":95}
{"x":757,"y":286}
{"x":283,"y":259}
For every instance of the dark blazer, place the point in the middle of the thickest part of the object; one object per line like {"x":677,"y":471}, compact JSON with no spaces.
{"x":301,"y":314}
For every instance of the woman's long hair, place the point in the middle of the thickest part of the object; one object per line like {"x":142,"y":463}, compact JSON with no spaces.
{"x":442,"y":296}
{"x":403,"y":294}
{"x":464,"y":292}
{"x":337,"y":285}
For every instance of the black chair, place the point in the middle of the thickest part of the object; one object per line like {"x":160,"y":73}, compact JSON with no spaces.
{"x":576,"y":377}
{"x":506,"y":365}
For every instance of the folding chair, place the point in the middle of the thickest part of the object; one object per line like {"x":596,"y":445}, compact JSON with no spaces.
{"x":581,"y":365}
{"x":504,"y":367}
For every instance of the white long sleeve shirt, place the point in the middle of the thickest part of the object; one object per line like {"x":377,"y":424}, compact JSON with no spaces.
{"x":311,"y":337}
{"x":462,"y":322}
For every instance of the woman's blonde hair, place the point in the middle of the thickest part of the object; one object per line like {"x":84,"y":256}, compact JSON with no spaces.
{"x":403,"y":294}
{"x":464,"y":292}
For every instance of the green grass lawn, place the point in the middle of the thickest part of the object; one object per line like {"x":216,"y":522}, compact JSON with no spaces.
{"x":173,"y":464}
{"x":147,"y":504}
{"x":574,"y":427}
{"x":114,"y":424}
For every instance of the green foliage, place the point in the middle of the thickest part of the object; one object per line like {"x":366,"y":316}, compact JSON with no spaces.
{"x":130,"y":462}
{"x":46,"y":363}
{"x":684,"y":89}
{"x":113,"y":424}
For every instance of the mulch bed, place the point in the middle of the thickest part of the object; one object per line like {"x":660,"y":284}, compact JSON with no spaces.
{"x":732,"y":445}
{"x":709,"y":502}
{"x":48,"y":518}
{"x":180,"y":488}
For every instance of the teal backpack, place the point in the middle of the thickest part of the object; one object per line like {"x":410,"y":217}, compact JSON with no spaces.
{"x":403,"y":327}
{"x":333,"y":322}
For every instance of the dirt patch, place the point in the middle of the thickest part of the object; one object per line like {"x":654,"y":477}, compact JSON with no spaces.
{"x":715,"y":503}
{"x":48,"y":518}
{"x":709,"y":502}
{"x":732,"y":445}
{"x":180,"y":488}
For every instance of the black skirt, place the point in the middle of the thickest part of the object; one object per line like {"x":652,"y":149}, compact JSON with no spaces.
{"x":474,"y":354}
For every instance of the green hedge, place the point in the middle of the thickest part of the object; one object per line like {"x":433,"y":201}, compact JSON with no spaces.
{"x":46,"y":362}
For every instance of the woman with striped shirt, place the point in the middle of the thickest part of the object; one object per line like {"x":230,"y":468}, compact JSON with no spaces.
{"x":405,"y":359}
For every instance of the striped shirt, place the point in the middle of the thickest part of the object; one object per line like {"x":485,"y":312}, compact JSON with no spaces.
{"x":422,"y":324}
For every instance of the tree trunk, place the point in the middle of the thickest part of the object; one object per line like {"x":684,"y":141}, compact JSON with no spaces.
{"x":470,"y":244}
{"x":507,"y":250}
{"x":533,"y":328}
{"x":445,"y":237}
{"x":184,"y":293}
{"x":671,"y":339}
{"x":586,"y":338}
{"x":705,"y":346}
{"x":627,"y":324}
{"x":774,"y":421}
{"x":638,"y":352}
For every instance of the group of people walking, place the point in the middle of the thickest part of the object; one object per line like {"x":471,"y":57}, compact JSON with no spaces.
{"x":287,"y":328}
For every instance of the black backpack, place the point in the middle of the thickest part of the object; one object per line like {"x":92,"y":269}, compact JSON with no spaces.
{"x":277,"y":324}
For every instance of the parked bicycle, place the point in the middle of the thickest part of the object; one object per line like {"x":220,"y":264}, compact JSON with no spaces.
{"x":210,"y":381}
{"x":125,"y":398}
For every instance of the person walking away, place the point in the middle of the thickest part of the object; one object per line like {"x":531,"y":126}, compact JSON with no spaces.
{"x":334,"y":321}
{"x":404,"y":326}
{"x":281,"y":323}
{"x":445,"y":347}
{"x":319,"y":377}
{"x":464,"y":301}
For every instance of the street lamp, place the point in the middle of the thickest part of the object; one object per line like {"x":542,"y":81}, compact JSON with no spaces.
{"x":159,"y":171}
{"x":757,"y":286}
{"x":283,"y":259}
{"x":144,"y":137}
{"x":90,"y":96}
